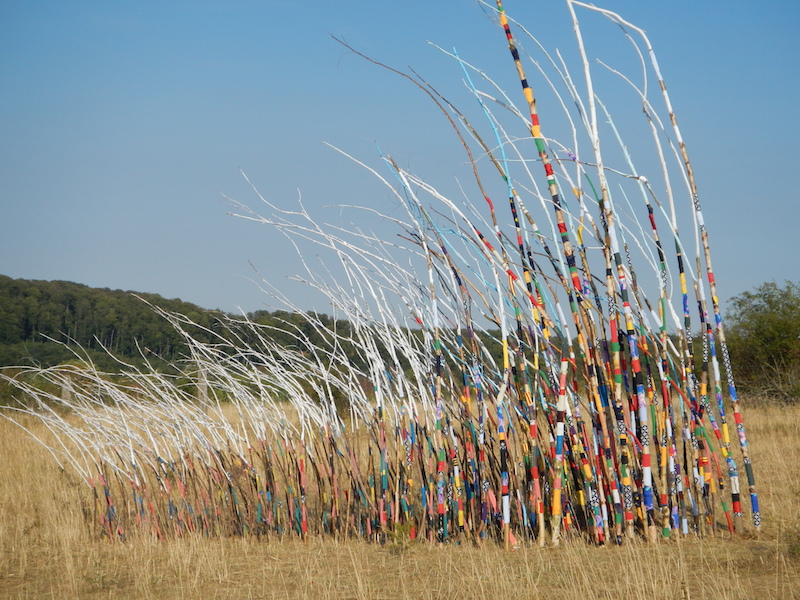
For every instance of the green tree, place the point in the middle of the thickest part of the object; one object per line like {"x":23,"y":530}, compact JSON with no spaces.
{"x":763,"y":333}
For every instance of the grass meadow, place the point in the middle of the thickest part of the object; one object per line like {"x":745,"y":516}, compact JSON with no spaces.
{"x":46,"y":550}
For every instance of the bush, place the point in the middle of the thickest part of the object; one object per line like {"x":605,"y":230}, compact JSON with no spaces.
{"x":763,"y":333}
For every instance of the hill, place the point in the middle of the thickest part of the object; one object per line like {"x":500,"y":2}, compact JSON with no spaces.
{"x":37,"y":319}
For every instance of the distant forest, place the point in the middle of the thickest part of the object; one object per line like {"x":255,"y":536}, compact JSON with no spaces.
{"x":47,"y":323}
{"x":37,"y":319}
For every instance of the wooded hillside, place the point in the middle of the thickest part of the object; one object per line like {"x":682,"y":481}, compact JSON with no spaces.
{"x":33,"y":313}
{"x":37,"y":319}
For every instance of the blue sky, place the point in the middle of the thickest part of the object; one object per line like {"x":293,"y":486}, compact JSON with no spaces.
{"x":123,"y":124}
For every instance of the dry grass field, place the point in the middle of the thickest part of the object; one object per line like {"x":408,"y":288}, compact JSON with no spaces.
{"x":46,"y":551}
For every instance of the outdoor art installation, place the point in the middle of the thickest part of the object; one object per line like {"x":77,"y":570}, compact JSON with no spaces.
{"x":538,"y":359}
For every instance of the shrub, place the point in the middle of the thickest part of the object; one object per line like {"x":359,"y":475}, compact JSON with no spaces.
{"x":763,"y":333}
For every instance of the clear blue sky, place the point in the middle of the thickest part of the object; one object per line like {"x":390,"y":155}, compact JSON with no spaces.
{"x":122,"y":124}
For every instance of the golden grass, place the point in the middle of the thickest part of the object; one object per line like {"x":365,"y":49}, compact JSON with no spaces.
{"x":46,"y":551}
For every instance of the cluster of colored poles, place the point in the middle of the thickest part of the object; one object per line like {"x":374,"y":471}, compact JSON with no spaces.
{"x":522,"y":384}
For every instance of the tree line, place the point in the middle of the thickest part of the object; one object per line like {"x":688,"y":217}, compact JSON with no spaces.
{"x":44,"y":323}
{"x":41,"y":320}
{"x":36,"y":315}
